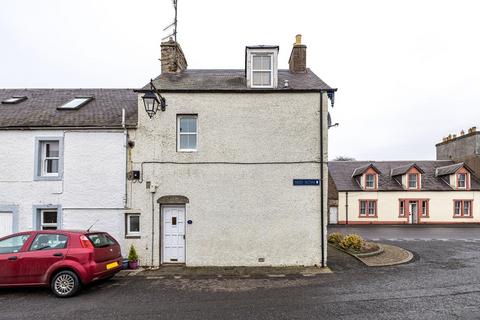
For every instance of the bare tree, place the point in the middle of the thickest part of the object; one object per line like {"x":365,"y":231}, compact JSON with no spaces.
{"x":344,"y":158}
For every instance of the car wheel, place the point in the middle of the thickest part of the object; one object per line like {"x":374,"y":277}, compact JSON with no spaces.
{"x":65,"y":284}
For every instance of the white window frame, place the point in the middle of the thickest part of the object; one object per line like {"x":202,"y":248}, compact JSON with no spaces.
{"x":49,"y":225}
{"x":40,"y":158}
{"x":128,"y":232}
{"x":417,"y":178}
{"x":366,"y":181}
{"x":464,"y":181}
{"x":252,"y":70}
{"x":44,"y":158}
{"x":179,"y":117}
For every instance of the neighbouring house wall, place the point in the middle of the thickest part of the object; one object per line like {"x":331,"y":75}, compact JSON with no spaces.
{"x":93,"y":186}
{"x":239,"y":212}
{"x":465,"y":148}
{"x":440,"y":206}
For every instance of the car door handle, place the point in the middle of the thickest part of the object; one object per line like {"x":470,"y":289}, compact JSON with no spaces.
{"x":12,"y":258}
{"x":58,"y":254}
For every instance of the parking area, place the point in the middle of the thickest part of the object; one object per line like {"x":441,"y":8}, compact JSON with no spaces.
{"x":441,"y":283}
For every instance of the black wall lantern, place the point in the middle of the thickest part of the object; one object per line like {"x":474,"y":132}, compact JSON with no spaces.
{"x":152,"y":99}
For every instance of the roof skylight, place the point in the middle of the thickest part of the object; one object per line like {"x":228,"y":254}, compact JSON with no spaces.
{"x":14,"y":100}
{"x":76,"y":103}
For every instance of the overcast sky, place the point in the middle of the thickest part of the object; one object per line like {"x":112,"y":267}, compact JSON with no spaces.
{"x":408,"y":72}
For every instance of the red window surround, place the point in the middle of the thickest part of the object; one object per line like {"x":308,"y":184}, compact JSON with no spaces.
{"x":423,"y":207}
{"x":370,"y":172}
{"x":463,"y":208}
{"x":367,"y":208}
{"x":462,"y":171}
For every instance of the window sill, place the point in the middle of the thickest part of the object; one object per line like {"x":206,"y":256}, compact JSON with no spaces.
{"x":463,"y":217}
{"x":47,"y":178}
{"x":372,"y":217}
{"x":133,"y":237}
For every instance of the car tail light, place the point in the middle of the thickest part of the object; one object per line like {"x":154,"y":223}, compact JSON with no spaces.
{"x":86,"y":243}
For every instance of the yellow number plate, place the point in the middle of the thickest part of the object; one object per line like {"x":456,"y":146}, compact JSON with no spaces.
{"x":112,"y":265}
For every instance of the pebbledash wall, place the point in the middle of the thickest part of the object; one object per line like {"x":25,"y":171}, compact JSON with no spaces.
{"x":441,"y":206}
{"x":241,"y":214}
{"x":92,"y":190}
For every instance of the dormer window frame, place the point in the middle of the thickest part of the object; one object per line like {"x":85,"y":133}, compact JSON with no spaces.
{"x":253,"y":55}
{"x":466,"y":181}
{"x":261,"y":51}
{"x":417,"y":181}
{"x":375,"y":181}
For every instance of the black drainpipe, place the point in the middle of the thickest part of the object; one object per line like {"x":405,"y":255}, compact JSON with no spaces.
{"x":321,"y":180}
{"x":346,"y":207}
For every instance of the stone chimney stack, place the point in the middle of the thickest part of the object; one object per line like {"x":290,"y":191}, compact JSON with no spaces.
{"x":172,"y":57}
{"x":298,"y":57}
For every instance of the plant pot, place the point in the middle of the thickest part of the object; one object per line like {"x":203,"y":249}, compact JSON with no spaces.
{"x":133,"y":264}
{"x":125,"y":264}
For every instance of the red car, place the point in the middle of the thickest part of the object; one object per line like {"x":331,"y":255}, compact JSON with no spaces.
{"x":63,"y":260}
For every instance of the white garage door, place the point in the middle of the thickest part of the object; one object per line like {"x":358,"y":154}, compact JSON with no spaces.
{"x":6,"y":223}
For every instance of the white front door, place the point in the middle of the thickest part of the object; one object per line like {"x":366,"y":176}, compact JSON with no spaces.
{"x":6,"y":223}
{"x":173,"y":229}
{"x":413,"y":212}
{"x":333,"y":215}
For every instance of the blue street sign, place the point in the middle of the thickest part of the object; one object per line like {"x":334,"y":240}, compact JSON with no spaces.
{"x":306,"y":182}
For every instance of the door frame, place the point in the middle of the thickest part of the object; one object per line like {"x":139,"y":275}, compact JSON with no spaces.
{"x":15,"y":218}
{"x":410,"y":215}
{"x":160,"y":247}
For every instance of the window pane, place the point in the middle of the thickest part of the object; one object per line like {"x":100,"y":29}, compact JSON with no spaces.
{"x":52,"y":166}
{"x":461,"y":180}
{"x":13,"y":244}
{"x":52,"y":149}
{"x":261,"y":78}
{"x":49,"y":241}
{"x":188,"y":141}
{"x":134,"y":224}
{"x":402,"y":208}
{"x":363,"y":206}
{"x":458,"y":209}
{"x":412,"y":180}
{"x":188,"y":124}
{"x":466,"y":208}
{"x":371,"y":208}
{"x":49,"y":216}
{"x":262,"y":62}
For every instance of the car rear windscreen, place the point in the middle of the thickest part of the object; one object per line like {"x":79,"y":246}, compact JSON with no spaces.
{"x":101,"y":240}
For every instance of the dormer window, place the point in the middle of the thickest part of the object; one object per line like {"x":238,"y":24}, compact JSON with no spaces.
{"x":462,"y":181}
{"x":262,"y":71}
{"x":370,"y":181}
{"x":413,"y":180}
{"x":261,"y":66}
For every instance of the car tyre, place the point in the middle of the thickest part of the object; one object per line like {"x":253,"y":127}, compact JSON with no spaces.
{"x":65,"y":284}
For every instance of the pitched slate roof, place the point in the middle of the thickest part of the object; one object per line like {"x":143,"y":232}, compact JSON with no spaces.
{"x":40,"y":109}
{"x":341,"y":173}
{"x":403,"y":169}
{"x":209,"y":80}
{"x":361,"y":170}
{"x":451,"y":169}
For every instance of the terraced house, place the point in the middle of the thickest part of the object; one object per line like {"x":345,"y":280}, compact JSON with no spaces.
{"x":404,"y":192}
{"x":226,"y":165}
{"x":63,"y":156}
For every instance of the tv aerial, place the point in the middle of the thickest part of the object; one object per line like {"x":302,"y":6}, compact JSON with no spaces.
{"x":173,"y":24}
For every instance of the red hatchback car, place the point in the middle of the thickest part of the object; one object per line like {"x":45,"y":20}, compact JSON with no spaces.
{"x":63,"y":260}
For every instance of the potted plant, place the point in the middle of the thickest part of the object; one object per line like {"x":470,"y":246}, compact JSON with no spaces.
{"x":132,"y":258}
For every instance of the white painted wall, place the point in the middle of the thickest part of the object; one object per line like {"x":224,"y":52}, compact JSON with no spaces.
{"x":441,"y":206}
{"x":240,"y":213}
{"x":93,"y":186}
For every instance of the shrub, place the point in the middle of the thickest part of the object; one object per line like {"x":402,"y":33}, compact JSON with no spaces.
{"x":352,"y":242}
{"x":132,"y":254}
{"x":335,"y":238}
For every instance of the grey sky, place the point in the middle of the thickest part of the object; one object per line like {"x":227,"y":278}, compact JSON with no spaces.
{"x":407,"y":71}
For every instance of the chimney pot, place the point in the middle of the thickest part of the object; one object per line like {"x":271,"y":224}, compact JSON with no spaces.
{"x":298,"y":39}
